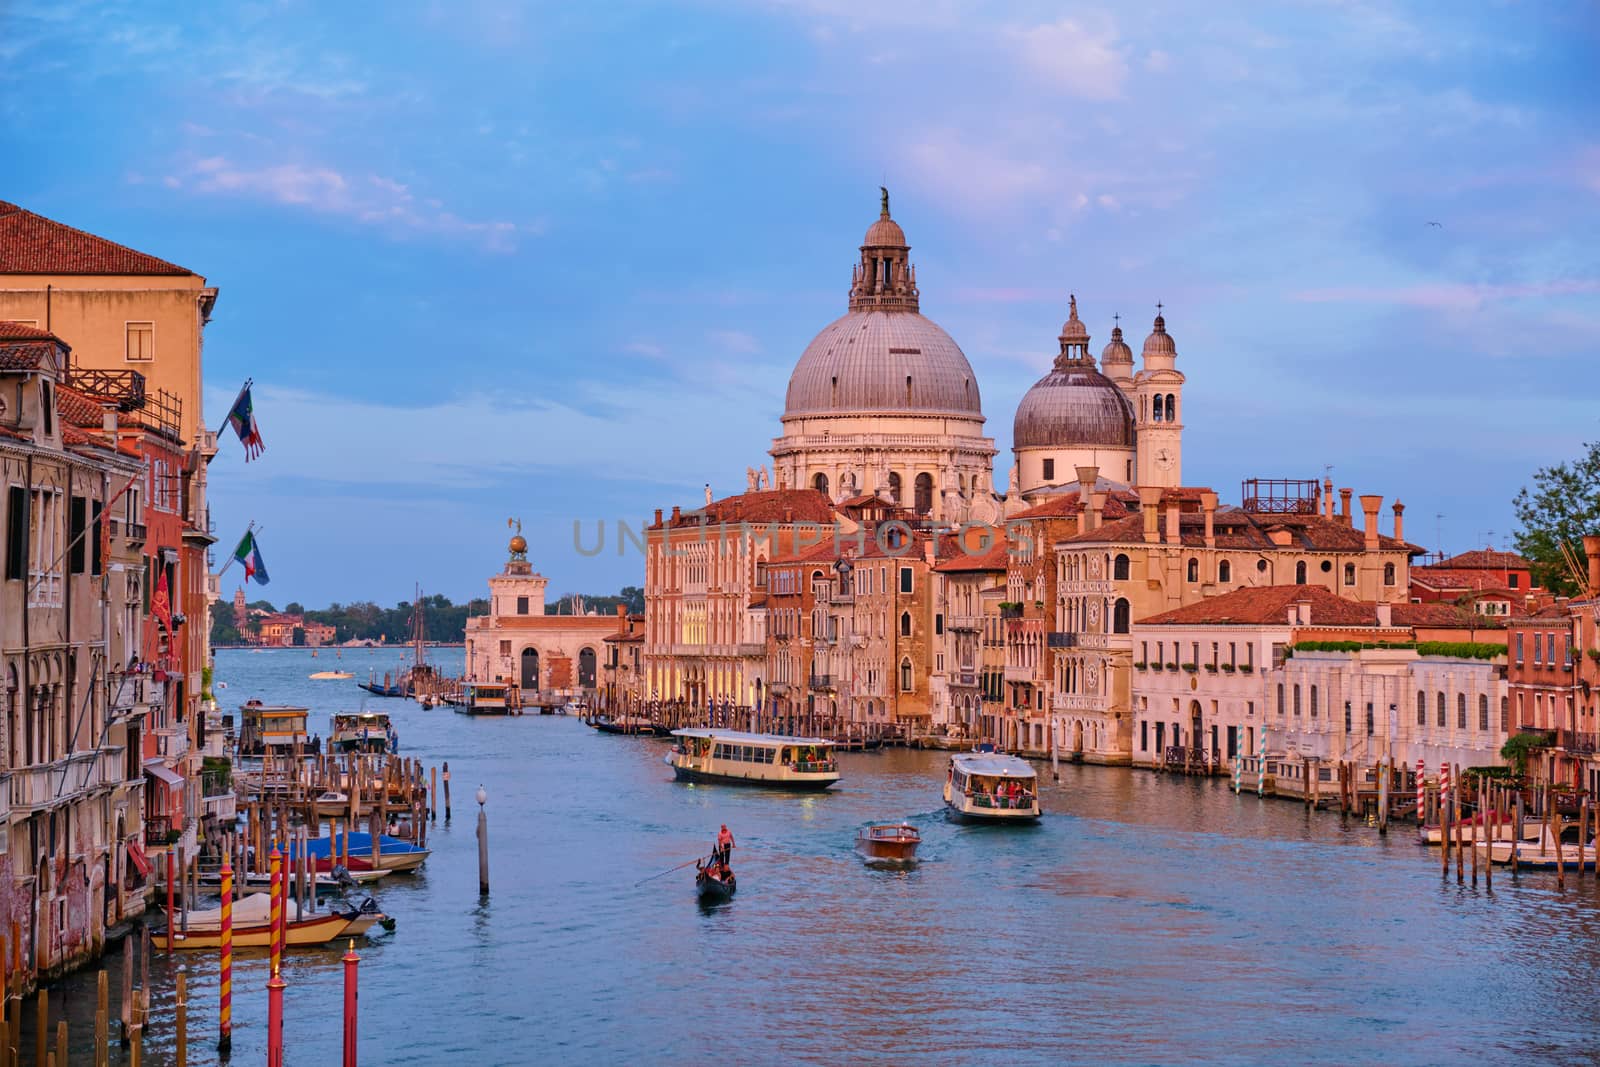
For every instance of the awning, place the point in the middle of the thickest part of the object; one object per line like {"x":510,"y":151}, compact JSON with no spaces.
{"x":162,"y":773}
{"x":140,"y":860}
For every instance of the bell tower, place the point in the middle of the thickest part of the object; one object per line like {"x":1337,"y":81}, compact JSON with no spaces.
{"x":1158,"y":409}
{"x":884,"y":280}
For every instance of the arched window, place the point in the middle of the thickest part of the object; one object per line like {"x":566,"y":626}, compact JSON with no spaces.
{"x":1155,"y":409}
{"x":1193,"y":573}
{"x":1300,"y":573}
{"x":1439,"y":705}
{"x":1313,"y":702}
{"x":1297,"y":701}
{"x":905,"y":624}
{"x":894,"y":486}
{"x":1172,"y":408}
{"x":1422,"y":708}
{"x":1224,"y":572}
{"x":924,"y":488}
{"x":1461,"y":711}
{"x":905,"y":676}
{"x":1119,"y":617}
{"x":1349,"y":574}
{"x":1505,"y":715}
{"x":1483,"y":713}
{"x":1119,"y":568}
{"x":1280,"y":700}
{"x":1388,"y":574}
{"x":819,"y":482}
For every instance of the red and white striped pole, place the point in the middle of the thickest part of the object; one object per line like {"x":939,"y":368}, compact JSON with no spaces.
{"x":275,"y":987}
{"x":1422,"y":791}
{"x":1444,"y":781}
{"x":351,"y":962}
{"x":275,"y":926}
{"x":225,"y":996}
{"x":172,"y":911}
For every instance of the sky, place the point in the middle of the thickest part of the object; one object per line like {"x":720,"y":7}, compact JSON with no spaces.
{"x":557,"y":261}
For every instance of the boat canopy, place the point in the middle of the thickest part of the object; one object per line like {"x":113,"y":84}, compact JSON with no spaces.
{"x":995,"y":766}
{"x":740,"y":737}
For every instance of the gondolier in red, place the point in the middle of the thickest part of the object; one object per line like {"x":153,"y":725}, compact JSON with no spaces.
{"x":724,"y":843}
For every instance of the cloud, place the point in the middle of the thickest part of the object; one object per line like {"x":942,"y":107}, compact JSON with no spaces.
{"x":1445,"y":296}
{"x":1079,"y":61}
{"x":370,"y":199}
{"x":736,"y":341}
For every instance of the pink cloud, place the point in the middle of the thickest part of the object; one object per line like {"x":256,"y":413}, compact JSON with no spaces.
{"x":1445,"y":296}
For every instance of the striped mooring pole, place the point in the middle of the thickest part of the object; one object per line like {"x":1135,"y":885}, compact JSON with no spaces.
{"x":275,"y":926}
{"x":1261,"y":768}
{"x":225,"y":990}
{"x":1422,"y":790}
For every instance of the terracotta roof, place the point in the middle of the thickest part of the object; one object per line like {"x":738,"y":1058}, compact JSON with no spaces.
{"x":1065,"y":504}
{"x":30,"y":351}
{"x":767,"y":505}
{"x":1443,"y":616}
{"x":1442,"y":579}
{"x":78,"y":408}
{"x":1242,"y":530}
{"x":995,"y":559}
{"x":623,"y":637}
{"x":33,"y":244}
{"x":1486,"y":559}
{"x":1268,"y":605}
{"x":21,"y":331}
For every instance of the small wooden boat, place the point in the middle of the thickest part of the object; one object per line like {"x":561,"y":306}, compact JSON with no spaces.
{"x":363,"y":732}
{"x":1502,"y":828}
{"x":318,"y":930}
{"x":1544,"y":852}
{"x":631,"y":725}
{"x":326,"y":676}
{"x":714,"y":890}
{"x":333,"y":804}
{"x":393,"y":853}
{"x":895,"y":843}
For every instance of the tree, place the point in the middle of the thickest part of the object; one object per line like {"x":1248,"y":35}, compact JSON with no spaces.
{"x":1562,"y":506}
{"x":223,"y":629}
{"x":294,"y":607}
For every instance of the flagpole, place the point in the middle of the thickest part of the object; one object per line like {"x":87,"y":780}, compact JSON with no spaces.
{"x":248,"y":530}
{"x":248,"y":382}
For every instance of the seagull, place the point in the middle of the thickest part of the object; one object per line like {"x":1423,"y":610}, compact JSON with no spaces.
{"x":1438,"y":224}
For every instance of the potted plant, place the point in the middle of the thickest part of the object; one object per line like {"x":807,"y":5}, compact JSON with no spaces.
{"x":1227,"y":668}
{"x":1211,"y":668}
{"x":1139,"y":666}
{"x":1190,"y":667}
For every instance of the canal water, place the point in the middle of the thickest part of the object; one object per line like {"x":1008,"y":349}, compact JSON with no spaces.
{"x":1147,"y":919}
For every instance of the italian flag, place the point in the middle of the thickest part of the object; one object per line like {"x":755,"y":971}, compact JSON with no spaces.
{"x":249,"y":555}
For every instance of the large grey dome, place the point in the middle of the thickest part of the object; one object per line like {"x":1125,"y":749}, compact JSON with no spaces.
{"x":1073,"y":405}
{"x":883,"y":361}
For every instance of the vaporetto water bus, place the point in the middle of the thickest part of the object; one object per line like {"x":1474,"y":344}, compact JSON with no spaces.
{"x":990,"y":787}
{"x":738,"y":758}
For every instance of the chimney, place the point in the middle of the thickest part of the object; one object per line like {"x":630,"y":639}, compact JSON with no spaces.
{"x":1369,"y":513}
{"x":1087,"y":476}
{"x":1327,"y":498}
{"x":677,"y":513}
{"x":108,"y":423}
{"x":930,"y":551}
{"x":1208,"y":503}
{"x":1591,"y":548}
{"x":1302,"y":610}
{"x":1097,"y":509}
{"x":1385,"y":615}
{"x":1149,"y":500}
{"x":1174,"y":533}
{"x":1399,"y":521}
{"x":1344,"y":505}
{"x":622,"y":611}
{"x":658,"y":516}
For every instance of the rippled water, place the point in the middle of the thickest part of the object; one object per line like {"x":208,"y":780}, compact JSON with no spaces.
{"x":1147,"y":919}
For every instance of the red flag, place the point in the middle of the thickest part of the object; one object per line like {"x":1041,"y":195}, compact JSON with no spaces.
{"x":161,"y":604}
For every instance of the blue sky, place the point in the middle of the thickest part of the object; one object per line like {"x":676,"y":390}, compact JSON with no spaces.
{"x":556,"y":261}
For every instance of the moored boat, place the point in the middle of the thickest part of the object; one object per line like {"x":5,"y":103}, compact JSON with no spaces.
{"x":318,"y":930}
{"x":635,"y":725}
{"x":894,"y":843}
{"x":738,"y":758}
{"x":1501,"y":828}
{"x":1544,"y":852}
{"x":990,"y":787}
{"x":393,"y":853}
{"x":326,"y":676}
{"x":488,"y":698}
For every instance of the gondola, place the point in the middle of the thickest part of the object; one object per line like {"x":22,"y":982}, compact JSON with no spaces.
{"x":714,"y":890}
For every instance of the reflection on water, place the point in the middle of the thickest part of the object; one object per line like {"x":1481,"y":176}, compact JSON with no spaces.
{"x":1145,"y":919}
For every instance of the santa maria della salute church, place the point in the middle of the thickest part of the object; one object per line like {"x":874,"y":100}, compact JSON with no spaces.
{"x":884,"y":403}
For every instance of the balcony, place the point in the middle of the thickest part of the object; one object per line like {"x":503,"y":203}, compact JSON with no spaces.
{"x":750,"y":648}
{"x":966,"y":622}
{"x":33,"y":788}
{"x":820,"y":681}
{"x":1010,"y":611}
{"x":964,"y":677}
{"x":137,"y":691}
{"x":1577,"y":742}
{"x":842,"y":596}
{"x":1076,"y":702}
{"x":134,"y":532}
{"x":1061,"y":639}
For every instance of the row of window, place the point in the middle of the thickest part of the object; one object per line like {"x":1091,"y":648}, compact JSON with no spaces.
{"x":1461,"y":711}
{"x":1544,"y":647}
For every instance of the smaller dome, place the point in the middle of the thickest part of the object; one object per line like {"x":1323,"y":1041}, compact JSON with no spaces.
{"x":1074,"y":329}
{"x":1160,"y":343}
{"x":1073,"y":406}
{"x":884,"y":233}
{"x":1116,"y":350}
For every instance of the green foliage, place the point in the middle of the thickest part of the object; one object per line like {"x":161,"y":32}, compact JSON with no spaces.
{"x":1227,"y":668}
{"x":1347,"y":646}
{"x":1520,"y":746}
{"x":1461,"y":649}
{"x":1563,"y":505}
{"x":294,"y":607}
{"x":1139,"y":666}
{"x":205,"y":684}
{"x":223,"y":630}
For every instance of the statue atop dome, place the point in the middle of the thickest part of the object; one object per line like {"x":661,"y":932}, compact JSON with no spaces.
{"x":883,"y":212}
